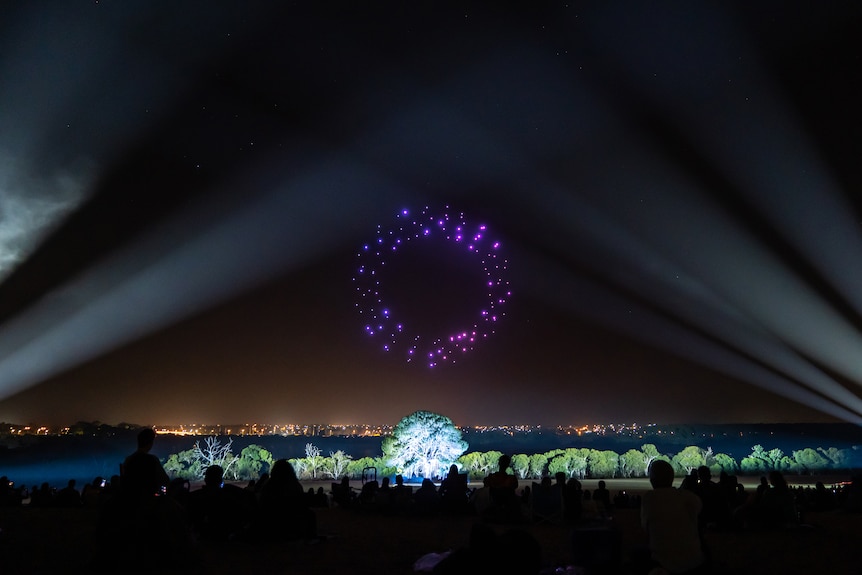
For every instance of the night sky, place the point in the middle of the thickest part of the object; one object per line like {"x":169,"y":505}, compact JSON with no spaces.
{"x":186,"y":189}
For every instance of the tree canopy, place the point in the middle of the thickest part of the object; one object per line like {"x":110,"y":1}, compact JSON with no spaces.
{"x":424,"y":444}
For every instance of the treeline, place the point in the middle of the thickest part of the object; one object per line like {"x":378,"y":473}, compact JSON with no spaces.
{"x":575,"y":462}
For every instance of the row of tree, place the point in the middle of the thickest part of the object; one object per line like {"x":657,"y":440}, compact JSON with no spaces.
{"x":573,"y":462}
{"x":425,"y":444}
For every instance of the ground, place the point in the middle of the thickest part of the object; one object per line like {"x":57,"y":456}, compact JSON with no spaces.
{"x":47,"y":541}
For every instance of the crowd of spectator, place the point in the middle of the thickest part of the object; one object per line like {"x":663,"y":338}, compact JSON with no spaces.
{"x":143,"y":504}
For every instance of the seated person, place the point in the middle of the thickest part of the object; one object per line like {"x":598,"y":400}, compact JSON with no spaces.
{"x":454,"y":493}
{"x":342,"y":493}
{"x":218,"y":511}
{"x":283,"y":511}
{"x":426,"y":500}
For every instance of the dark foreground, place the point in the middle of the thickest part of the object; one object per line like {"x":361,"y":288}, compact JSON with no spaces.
{"x":56,"y":540}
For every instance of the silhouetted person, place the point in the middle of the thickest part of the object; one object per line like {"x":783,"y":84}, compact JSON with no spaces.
{"x":602,"y":497}
{"x":716,"y":507}
{"x":218,"y":511}
{"x":669,"y":516}
{"x":402,"y":495}
{"x":822,"y":499}
{"x":42,"y":497}
{"x":143,"y":476}
{"x":140,"y":526}
{"x":9,"y":496}
{"x":690,"y":481}
{"x":343,"y":494}
{"x":776,"y":506}
{"x":573,"y":499}
{"x":68,"y":496}
{"x":91,"y":495}
{"x":762,"y":487}
{"x":505,"y":505}
{"x":320,"y":498}
{"x":368,"y":494}
{"x":284,"y":513}
{"x":426,"y":500}
{"x":454,"y":493}
{"x":383,"y":497}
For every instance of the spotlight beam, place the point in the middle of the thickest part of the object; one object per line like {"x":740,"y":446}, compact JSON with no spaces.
{"x":190,"y":270}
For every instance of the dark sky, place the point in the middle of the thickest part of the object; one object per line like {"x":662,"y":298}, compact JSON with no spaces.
{"x":186,"y":187}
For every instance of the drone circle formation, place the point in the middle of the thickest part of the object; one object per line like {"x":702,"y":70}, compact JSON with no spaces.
{"x":426,"y":226}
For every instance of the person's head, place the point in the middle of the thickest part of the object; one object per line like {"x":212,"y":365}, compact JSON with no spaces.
{"x":660,"y":474}
{"x":399,"y":479}
{"x":213,"y":476}
{"x":384,"y":482}
{"x":704,"y":475}
{"x":504,"y":462}
{"x":146,"y":437}
{"x":776,"y":479}
{"x":282,"y":471}
{"x":602,"y":484}
{"x":560,"y":477}
{"x":453,"y":470}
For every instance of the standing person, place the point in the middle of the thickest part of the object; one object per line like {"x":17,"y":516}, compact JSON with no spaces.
{"x":670,"y":518}
{"x":502,"y":487}
{"x":142,"y":473}
{"x":139,"y":529}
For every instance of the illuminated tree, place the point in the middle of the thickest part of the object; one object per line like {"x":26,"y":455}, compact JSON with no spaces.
{"x":424,"y":444}
{"x":632,"y":463}
{"x":313,"y":460}
{"x":212,"y":452}
{"x":756,"y":463}
{"x":723,"y":462}
{"x":253,"y":460}
{"x":691,"y":457}
{"x":603,"y":463}
{"x":192,"y":464}
{"x":355,"y":467}
{"x":337,"y":463}
{"x":298,"y":465}
{"x":521,"y":465}
{"x":183,"y":465}
{"x":571,"y":461}
{"x":837,"y":457}
{"x":650,"y":454}
{"x":538,"y":464}
{"x":479,"y":464}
